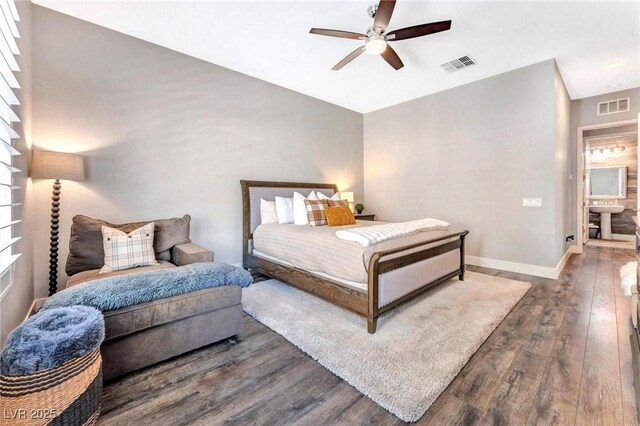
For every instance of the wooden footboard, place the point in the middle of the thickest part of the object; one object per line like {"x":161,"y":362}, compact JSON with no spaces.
{"x":366,"y":304}
{"x":384,"y":262}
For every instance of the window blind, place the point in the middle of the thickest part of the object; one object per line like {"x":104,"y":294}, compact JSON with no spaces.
{"x":8,"y":117}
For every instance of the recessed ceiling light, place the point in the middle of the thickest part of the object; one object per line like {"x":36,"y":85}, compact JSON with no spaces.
{"x":614,"y":85}
{"x":614,"y":65}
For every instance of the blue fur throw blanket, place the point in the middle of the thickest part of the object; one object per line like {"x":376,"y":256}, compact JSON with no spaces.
{"x":51,"y":338}
{"x":122,"y":291}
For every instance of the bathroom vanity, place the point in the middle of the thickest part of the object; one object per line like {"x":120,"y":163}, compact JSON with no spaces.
{"x":605,"y":211}
{"x":606,"y":186}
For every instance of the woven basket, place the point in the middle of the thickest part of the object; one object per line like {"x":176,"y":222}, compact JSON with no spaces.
{"x":69,"y":394}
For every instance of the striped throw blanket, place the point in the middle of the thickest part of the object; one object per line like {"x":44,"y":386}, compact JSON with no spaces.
{"x":377,"y":233}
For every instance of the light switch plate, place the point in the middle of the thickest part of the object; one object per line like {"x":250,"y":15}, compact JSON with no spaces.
{"x":532,"y":202}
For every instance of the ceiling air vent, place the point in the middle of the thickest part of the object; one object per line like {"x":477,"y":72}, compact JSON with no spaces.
{"x":612,"y":107}
{"x":458,"y":64}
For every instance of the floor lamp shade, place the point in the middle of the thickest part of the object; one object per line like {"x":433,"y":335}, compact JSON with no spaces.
{"x":57,"y":165}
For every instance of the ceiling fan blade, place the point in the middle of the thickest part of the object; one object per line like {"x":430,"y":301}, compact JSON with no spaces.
{"x":383,"y":15}
{"x":418,"y":30}
{"x":338,"y":33}
{"x":392,"y":58}
{"x":350,"y":57}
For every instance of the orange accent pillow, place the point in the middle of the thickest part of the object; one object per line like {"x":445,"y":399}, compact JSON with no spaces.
{"x":338,"y":216}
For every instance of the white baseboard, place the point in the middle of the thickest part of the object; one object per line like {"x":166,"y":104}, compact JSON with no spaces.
{"x":611,"y":244}
{"x":623,"y":237}
{"x":522,"y":268}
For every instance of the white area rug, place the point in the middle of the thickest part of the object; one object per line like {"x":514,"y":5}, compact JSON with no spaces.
{"x":418,"y":349}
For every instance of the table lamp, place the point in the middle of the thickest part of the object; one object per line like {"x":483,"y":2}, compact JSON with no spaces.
{"x":57,"y":166}
{"x":347,"y":196}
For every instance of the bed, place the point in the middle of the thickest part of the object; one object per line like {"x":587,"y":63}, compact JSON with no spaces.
{"x":367,"y":281}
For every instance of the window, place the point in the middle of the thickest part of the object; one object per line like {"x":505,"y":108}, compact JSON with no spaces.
{"x":8,"y":82}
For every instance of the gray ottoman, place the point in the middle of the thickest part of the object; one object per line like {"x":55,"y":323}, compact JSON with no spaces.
{"x":144,"y":334}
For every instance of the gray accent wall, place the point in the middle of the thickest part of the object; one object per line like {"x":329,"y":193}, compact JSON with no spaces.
{"x":16,"y":302}
{"x":166,"y":134}
{"x":469,"y":155}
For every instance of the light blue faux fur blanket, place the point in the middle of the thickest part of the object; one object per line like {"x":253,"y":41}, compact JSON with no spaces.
{"x":51,"y":338}
{"x":121,"y":291}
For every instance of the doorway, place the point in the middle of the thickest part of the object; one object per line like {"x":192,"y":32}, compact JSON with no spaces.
{"x":607,"y":184}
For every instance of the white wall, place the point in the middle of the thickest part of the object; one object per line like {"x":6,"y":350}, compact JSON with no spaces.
{"x":469,"y":155}
{"x":16,"y":302}
{"x":166,"y":134}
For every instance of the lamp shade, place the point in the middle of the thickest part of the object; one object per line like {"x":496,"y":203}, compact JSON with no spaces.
{"x":57,"y":165}
{"x":347,"y":195}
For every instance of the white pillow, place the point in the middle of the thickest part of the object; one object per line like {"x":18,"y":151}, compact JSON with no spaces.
{"x":126,"y":251}
{"x":334,"y":197}
{"x":268,"y":213}
{"x":284,"y":210}
{"x":300,"y":216}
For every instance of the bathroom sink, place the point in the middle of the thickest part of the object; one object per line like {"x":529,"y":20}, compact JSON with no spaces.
{"x":606,"y":209}
{"x":605,"y":218}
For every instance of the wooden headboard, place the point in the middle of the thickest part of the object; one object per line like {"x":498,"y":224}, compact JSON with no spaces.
{"x":253,"y":190}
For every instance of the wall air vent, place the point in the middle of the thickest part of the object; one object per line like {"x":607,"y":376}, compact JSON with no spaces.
{"x":458,"y":64}
{"x":612,"y":107}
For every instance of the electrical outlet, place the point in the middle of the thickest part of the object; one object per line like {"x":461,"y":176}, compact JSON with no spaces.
{"x":532,"y":202}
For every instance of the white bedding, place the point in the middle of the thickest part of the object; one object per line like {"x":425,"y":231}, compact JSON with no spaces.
{"x":318,"y":250}
{"x":386,"y":231}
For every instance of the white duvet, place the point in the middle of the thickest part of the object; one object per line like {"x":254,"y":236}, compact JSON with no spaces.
{"x":387,"y":231}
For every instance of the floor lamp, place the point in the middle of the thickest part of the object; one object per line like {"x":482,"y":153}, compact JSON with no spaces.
{"x":57,"y":166}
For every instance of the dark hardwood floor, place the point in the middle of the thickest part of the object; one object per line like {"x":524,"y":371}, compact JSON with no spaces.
{"x":562,"y":356}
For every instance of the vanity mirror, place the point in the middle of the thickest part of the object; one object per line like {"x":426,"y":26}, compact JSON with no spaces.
{"x":607,"y":183}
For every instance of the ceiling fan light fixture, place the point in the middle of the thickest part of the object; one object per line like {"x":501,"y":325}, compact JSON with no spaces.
{"x":377,"y":35}
{"x":375,"y":45}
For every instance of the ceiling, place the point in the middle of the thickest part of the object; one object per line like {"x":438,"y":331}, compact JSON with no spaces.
{"x":270,"y":40}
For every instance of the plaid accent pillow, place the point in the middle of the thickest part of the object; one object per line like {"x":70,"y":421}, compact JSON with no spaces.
{"x":315,"y":212}
{"x":126,"y":251}
{"x":338,"y":203}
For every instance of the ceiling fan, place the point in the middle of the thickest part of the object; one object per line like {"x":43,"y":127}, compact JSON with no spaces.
{"x":376,"y":37}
